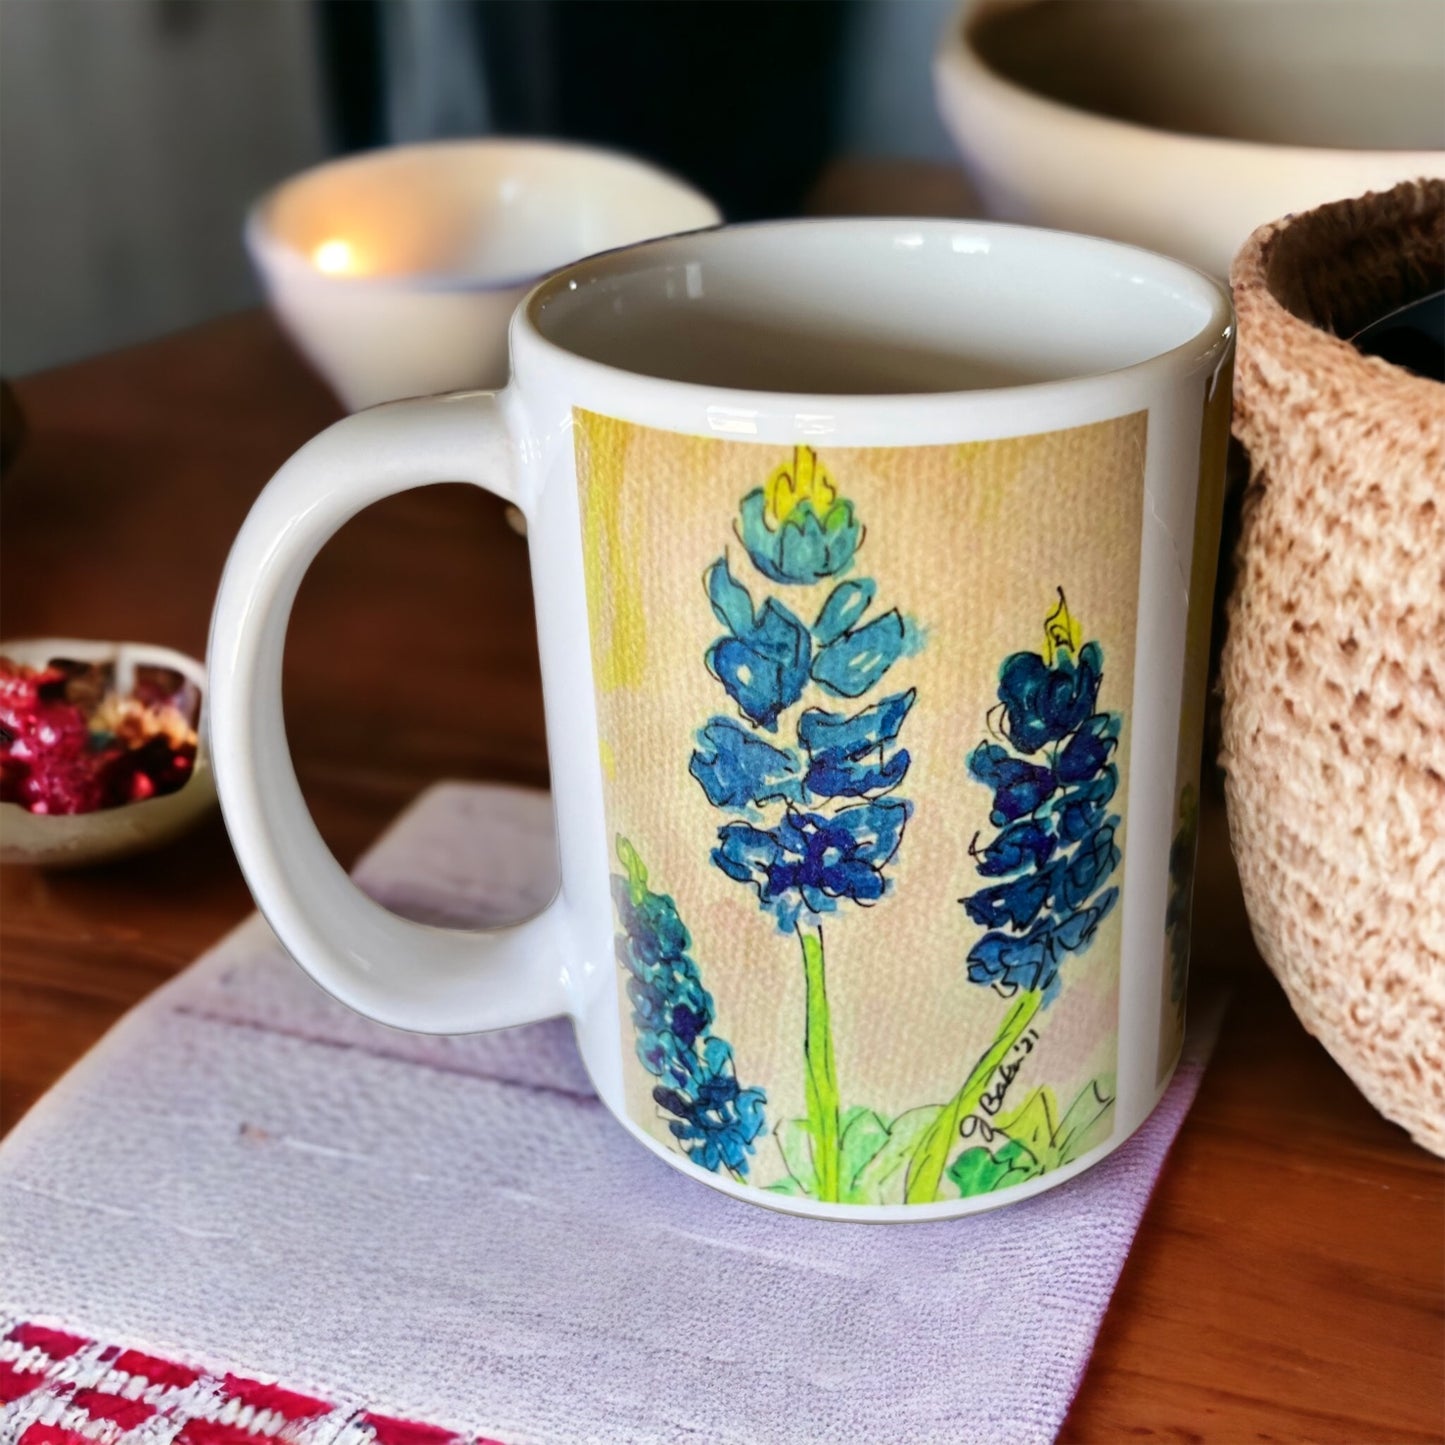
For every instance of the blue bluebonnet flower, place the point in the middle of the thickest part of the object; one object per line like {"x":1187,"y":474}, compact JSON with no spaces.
{"x":796,"y":528}
{"x":1055,"y":848}
{"x":812,"y":862}
{"x":762,"y":663}
{"x":812,"y":828}
{"x":826,"y":848}
{"x":714,"y":1120}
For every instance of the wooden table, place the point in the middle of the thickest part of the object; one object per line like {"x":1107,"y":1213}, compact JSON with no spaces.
{"x":1287,"y":1282}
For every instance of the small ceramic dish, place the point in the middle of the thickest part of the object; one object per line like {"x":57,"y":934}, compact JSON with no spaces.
{"x":67,"y":840}
{"x":397,"y":271}
{"x":1181,"y":125}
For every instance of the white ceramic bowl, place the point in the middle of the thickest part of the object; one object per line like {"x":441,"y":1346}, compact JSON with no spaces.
{"x":1181,"y":125}
{"x":396,"y":271}
{"x":76,"y":839}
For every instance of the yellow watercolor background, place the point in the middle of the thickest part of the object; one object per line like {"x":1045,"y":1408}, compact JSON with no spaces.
{"x":972,"y":541}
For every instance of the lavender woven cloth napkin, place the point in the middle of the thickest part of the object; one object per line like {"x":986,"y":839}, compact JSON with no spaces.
{"x":455,"y":1230}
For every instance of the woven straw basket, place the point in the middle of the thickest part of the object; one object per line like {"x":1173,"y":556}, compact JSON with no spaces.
{"x":1334,"y":668}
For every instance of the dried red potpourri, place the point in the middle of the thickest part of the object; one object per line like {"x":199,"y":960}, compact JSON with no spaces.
{"x":70,"y":743}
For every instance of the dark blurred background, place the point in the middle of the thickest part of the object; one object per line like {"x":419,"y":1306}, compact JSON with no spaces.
{"x":134,"y":133}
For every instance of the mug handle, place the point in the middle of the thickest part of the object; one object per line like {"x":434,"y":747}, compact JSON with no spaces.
{"x":408,"y":975}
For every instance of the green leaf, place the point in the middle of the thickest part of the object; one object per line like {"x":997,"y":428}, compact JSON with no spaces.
{"x":1034,"y":1123}
{"x":863,"y":1135}
{"x":977,"y":1171}
{"x":1056,"y":1141}
{"x":796,"y":1142}
{"x":881,"y":1180}
{"x":1088,"y":1121}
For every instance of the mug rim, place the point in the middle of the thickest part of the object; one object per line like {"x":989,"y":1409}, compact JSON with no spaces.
{"x":270,"y":252}
{"x":1208,"y":343}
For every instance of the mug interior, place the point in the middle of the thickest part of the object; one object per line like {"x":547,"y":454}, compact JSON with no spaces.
{"x":876,"y":307}
{"x":489,"y":213}
{"x":1342,"y":74}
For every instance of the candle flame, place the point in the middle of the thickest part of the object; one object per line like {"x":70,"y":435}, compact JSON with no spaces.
{"x":335,"y":257}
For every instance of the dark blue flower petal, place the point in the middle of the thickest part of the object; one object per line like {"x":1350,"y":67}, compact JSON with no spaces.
{"x":847,"y":756}
{"x":1018,"y":787}
{"x":1015,"y":904}
{"x":1081,"y":808}
{"x":765,"y":674}
{"x":846,"y":603}
{"x":1090,"y":864}
{"x":749,"y":1106}
{"x":737,"y":769}
{"x":854,"y":735}
{"x":877,"y":828}
{"x":834,"y":776}
{"x":1045,"y":704}
{"x":813,"y":860}
{"x":1087,"y":750}
{"x":1020,"y":845}
{"x":1075,"y":932}
{"x":1033,"y":959}
{"x":858,"y":660}
{"x":745,"y":853}
{"x":686,"y":1023}
{"x":717,"y":1123}
{"x":763,"y":663}
{"x":1022,"y":962}
{"x":855,"y":879}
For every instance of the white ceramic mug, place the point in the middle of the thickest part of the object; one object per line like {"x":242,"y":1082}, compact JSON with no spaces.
{"x":873,"y":574}
{"x":396,"y":271}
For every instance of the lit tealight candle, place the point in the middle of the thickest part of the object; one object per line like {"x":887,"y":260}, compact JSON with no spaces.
{"x":334,"y":257}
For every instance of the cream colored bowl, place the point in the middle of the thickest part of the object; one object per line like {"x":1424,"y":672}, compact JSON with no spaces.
{"x":72,"y":840}
{"x":397,"y":271}
{"x":1181,"y":125}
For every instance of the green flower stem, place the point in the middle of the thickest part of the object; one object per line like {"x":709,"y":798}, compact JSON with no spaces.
{"x":822,"y":1081}
{"x":925,"y":1168}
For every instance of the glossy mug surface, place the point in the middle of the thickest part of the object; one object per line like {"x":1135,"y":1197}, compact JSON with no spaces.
{"x":873,"y":564}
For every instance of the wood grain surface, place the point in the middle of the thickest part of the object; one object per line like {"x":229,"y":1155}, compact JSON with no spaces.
{"x":1287,"y":1282}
